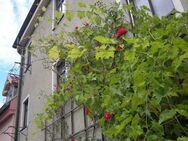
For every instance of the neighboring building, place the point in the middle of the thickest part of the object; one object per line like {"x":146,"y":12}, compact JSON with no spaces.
{"x":37,"y":81}
{"x":8,"y":110}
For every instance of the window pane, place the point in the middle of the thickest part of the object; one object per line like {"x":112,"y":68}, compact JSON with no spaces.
{"x":61,"y":73}
{"x":139,"y":3}
{"x":162,"y":7}
{"x":122,"y":1}
{"x":25,"y":118}
{"x":60,"y":4}
{"x":29,"y":58}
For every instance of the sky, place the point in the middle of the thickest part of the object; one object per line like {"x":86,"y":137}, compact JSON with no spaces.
{"x":12,"y":15}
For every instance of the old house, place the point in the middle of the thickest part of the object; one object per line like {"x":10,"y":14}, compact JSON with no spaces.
{"x":37,"y":80}
{"x":8,"y":110}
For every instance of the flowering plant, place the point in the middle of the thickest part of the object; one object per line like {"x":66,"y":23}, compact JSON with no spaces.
{"x":141,"y":79}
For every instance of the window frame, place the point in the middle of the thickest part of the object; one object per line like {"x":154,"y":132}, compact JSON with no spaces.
{"x":29,"y":58}
{"x":25,"y":113}
{"x":64,"y":115}
{"x":61,"y":70}
{"x":60,"y":7}
{"x":151,"y":7}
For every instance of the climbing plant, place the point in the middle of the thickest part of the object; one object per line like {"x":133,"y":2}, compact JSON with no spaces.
{"x":134,"y":79}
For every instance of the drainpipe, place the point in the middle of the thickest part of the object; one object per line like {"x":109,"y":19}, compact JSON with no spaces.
{"x":17,"y":127}
{"x":53,"y":14}
{"x":130,"y":14}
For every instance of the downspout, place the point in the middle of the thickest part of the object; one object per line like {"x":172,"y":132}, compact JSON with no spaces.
{"x":130,"y":15}
{"x":17,"y":127}
{"x":54,"y":77}
{"x":53,"y":15}
{"x":54,"y":80}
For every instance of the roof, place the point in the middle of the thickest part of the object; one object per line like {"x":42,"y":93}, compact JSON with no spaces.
{"x":26,"y":22}
{"x":28,"y":26}
{"x":8,"y":109}
{"x":4,"y":107}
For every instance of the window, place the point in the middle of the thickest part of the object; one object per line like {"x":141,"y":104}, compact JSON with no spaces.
{"x":72,"y":118}
{"x":29,"y":58}
{"x":28,"y":61}
{"x":162,"y":7}
{"x":139,"y":3}
{"x":60,"y":6}
{"x":25,"y":113}
{"x":61,"y":73}
{"x":157,"y":7}
{"x":62,"y":68}
{"x":122,"y":1}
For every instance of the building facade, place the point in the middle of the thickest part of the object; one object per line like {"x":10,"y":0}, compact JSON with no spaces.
{"x":38,"y":80}
{"x":8,"y":110}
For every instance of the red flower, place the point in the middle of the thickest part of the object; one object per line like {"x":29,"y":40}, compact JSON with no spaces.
{"x":87,"y":110}
{"x":107,"y":116}
{"x":120,"y":32}
{"x":77,"y":27}
{"x":72,"y":139}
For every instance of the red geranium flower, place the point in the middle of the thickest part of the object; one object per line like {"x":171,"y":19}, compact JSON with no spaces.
{"x":120,"y":32}
{"x":77,"y":27}
{"x":87,"y":110}
{"x":107,"y":116}
{"x":72,"y":139}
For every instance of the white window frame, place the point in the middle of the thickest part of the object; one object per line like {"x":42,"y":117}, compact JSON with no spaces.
{"x":151,"y":7}
{"x":178,"y":5}
{"x":61,"y":6}
{"x":23,"y":114}
{"x":54,"y":76}
{"x":54,"y":9}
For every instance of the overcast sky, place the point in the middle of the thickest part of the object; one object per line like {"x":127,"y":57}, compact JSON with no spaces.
{"x":12,"y":15}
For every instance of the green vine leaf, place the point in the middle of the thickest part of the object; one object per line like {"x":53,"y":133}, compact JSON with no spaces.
{"x":58,"y":14}
{"x":182,"y":139}
{"x":75,"y":53}
{"x":53,"y":53}
{"x":136,"y":129}
{"x":166,"y":115}
{"x":119,"y":128}
{"x":69,"y":15}
{"x":82,"y":5}
{"x":185,"y":85}
{"x":81,"y":14}
{"x":182,"y":112}
{"x":105,"y":40}
{"x":104,"y":53}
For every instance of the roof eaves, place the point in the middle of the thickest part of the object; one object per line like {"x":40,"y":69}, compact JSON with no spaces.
{"x":4,"y":107}
{"x":26,"y":22}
